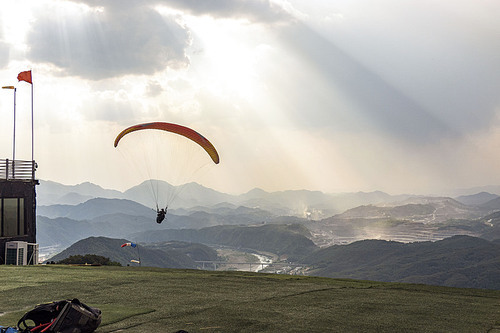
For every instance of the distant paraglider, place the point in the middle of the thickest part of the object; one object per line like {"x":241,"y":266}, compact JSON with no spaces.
{"x":161,"y":215}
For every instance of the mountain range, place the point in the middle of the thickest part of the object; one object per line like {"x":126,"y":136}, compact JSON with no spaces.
{"x":381,"y":216}
{"x":360,"y":235}
{"x":301,"y":203}
{"x":458,"y":261}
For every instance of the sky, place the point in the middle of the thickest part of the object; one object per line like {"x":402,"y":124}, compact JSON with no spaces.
{"x":335,"y":96}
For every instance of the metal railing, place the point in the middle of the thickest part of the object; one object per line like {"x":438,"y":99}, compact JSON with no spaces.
{"x":16,"y":169}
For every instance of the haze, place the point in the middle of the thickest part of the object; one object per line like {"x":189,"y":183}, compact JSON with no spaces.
{"x":319,"y":95}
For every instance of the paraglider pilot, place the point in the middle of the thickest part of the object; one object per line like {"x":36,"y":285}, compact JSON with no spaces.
{"x":160,"y":215}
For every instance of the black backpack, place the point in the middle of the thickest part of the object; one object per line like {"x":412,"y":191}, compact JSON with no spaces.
{"x":67,"y":316}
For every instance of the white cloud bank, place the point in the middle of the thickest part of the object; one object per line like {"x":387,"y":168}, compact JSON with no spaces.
{"x":343,"y":96}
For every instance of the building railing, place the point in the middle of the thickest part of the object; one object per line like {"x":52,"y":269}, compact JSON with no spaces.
{"x":16,"y":169}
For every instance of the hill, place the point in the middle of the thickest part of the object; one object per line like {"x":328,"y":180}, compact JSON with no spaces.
{"x":492,"y":227}
{"x":285,"y":240}
{"x":94,"y":208}
{"x":492,"y":205}
{"x":476,"y":199}
{"x":195,"y":251}
{"x":61,"y":225}
{"x":459,"y":261}
{"x":140,"y":299}
{"x":50,"y":193}
{"x":422,"y":209}
{"x":173,"y":255}
{"x":415,"y":219}
{"x":62,"y":232}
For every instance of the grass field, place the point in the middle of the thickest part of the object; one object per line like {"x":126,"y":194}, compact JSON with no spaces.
{"x":140,"y":299}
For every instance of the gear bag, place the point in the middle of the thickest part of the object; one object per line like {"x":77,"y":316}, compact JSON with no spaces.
{"x":67,"y":316}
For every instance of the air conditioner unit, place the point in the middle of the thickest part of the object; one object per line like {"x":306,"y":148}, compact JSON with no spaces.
{"x":16,"y":253}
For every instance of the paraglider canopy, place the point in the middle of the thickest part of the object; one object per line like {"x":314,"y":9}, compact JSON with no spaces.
{"x":174,"y":128}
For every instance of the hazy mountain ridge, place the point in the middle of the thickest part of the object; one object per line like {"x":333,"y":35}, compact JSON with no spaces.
{"x":413,"y":219}
{"x":492,"y":223}
{"x":61,"y":232}
{"x":476,"y":199}
{"x":50,"y":193}
{"x":492,"y":205}
{"x":402,"y":218}
{"x":459,"y":261}
{"x":288,"y":240}
{"x":343,"y":231}
{"x":120,"y":218}
{"x":423,"y":209}
{"x":95,"y":207}
{"x":371,"y":211}
{"x":301,"y":203}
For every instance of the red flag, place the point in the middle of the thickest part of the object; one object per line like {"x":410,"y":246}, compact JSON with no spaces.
{"x":25,"y":76}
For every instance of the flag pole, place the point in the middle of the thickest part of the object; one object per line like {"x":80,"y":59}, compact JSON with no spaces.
{"x":139,"y":255}
{"x":32,"y":124}
{"x":14,"y":139}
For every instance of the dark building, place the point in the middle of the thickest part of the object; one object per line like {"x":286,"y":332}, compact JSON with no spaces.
{"x":17,"y":203}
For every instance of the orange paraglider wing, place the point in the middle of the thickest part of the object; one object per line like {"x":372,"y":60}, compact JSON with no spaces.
{"x":174,"y":128}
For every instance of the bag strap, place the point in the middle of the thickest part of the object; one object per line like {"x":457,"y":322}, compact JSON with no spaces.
{"x":41,"y":315}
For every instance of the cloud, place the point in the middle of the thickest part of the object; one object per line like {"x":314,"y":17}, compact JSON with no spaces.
{"x":114,"y":38}
{"x":153,"y":88}
{"x":4,"y":49}
{"x":264,"y":11}
{"x":100,"y":43}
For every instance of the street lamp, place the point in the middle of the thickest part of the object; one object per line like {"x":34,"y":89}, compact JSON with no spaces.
{"x":14,"y":140}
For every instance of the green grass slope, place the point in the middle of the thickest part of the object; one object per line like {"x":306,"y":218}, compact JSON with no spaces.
{"x":135,"y":299}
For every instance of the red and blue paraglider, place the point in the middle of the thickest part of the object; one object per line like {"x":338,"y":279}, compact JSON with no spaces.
{"x":138,"y":254}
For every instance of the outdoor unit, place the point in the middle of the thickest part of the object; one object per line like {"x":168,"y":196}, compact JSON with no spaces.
{"x":16,"y":253}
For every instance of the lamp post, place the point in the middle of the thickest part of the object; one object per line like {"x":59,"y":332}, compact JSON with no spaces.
{"x":14,"y":140}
